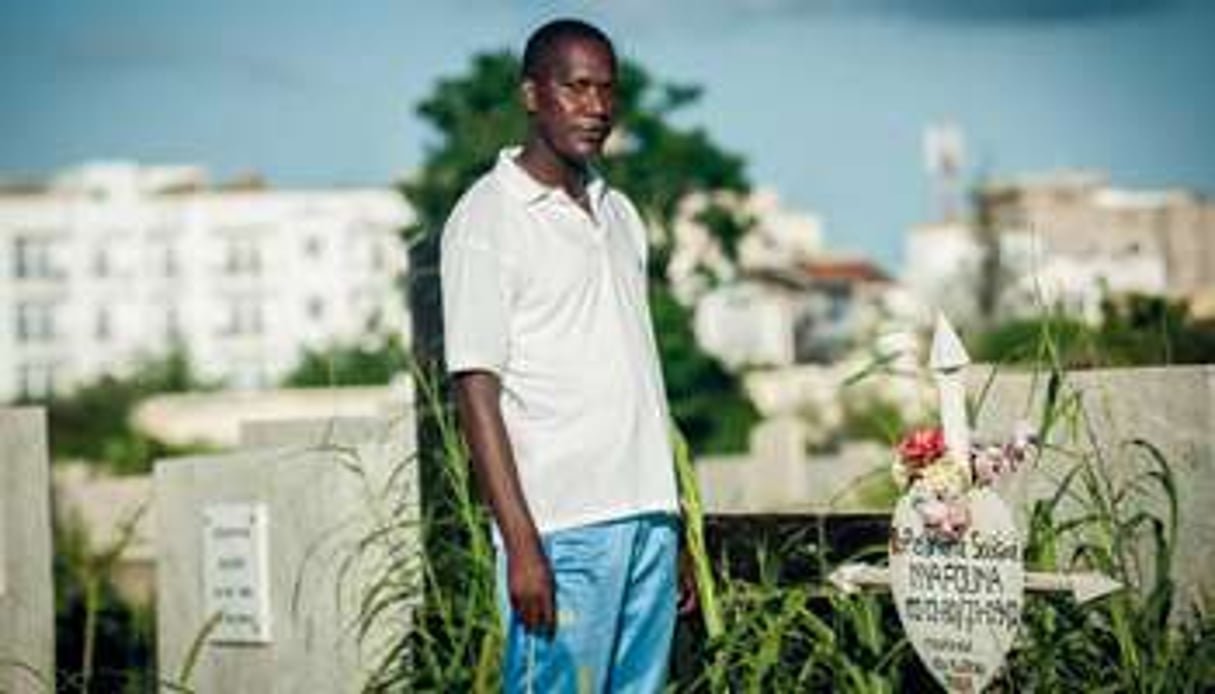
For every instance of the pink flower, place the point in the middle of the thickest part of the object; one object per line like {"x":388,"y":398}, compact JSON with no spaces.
{"x":947,"y":519}
{"x":922,"y":447}
{"x":958,"y":516}
{"x":934,"y":512}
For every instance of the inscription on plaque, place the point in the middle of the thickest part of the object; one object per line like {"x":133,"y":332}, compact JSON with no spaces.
{"x":960,"y":601}
{"x":236,"y":572}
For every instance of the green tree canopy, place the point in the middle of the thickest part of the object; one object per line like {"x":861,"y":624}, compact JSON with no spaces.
{"x":1135,"y":330}
{"x":93,"y":422}
{"x":656,"y":163}
{"x":350,"y":365}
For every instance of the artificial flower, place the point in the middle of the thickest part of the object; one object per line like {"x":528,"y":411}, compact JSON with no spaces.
{"x":922,"y":447}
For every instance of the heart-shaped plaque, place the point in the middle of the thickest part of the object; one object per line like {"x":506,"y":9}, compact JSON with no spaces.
{"x":960,"y":598}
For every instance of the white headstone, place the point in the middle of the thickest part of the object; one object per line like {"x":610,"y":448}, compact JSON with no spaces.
{"x":959,"y":601}
{"x":296,"y":628}
{"x":27,"y":616}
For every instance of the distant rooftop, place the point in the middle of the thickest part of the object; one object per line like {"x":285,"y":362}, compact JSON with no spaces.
{"x":127,"y":178}
{"x":122,"y":178}
{"x":844,"y":270}
{"x":823,"y":270}
{"x":1058,"y":179}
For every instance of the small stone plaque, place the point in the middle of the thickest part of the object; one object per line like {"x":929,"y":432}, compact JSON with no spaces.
{"x":236,"y":572}
{"x":959,"y":600}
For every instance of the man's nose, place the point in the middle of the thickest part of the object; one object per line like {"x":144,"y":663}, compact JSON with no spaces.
{"x":598,"y":102}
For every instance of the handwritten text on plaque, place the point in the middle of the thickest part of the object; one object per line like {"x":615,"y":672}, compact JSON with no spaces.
{"x":960,"y":602}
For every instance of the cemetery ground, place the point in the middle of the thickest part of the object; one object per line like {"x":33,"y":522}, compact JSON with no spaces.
{"x":771,"y":620}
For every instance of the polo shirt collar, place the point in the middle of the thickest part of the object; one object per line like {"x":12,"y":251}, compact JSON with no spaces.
{"x":522,"y":185}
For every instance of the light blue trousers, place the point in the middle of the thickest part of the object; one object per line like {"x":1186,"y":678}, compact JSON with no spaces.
{"x":616,"y":603}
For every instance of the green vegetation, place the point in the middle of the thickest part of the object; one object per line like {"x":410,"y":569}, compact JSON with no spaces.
{"x":350,"y":365}
{"x":93,"y":423}
{"x":102,"y":643}
{"x":455,"y":639}
{"x":1134,"y":330}
{"x":872,"y":420}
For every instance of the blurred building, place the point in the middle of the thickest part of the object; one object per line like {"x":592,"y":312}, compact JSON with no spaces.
{"x":778,"y":237}
{"x":813,"y":311}
{"x":784,"y":300}
{"x":1067,"y":239}
{"x":110,"y":263}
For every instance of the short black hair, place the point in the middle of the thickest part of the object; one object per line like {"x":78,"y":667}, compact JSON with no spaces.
{"x":545,"y":40}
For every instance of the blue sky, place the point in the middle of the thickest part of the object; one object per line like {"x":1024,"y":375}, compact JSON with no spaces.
{"x":826,"y":99}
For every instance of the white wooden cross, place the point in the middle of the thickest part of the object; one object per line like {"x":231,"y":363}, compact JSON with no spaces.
{"x":948,"y":361}
{"x":1084,"y":586}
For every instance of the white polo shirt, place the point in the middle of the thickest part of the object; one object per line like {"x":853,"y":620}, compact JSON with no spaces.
{"x":553,"y":301}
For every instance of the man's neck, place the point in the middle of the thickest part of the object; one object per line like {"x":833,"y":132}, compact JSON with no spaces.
{"x":546,"y":166}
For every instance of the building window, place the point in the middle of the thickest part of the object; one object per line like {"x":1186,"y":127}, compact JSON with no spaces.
{"x":375,"y":321}
{"x":244,"y":318}
{"x":313,"y":247}
{"x":242,"y":257}
{"x":316,"y":308}
{"x":101,"y":263}
{"x":170,"y":263}
{"x":32,"y":259}
{"x":103,"y":327}
{"x":378,"y":261}
{"x":35,"y":322}
{"x":35,"y":381}
{"x":172,"y":325}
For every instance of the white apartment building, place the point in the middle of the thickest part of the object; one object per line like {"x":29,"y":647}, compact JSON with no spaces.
{"x":110,"y":263}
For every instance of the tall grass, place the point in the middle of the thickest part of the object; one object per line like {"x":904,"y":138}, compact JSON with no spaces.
{"x":767,"y":633}
{"x":1114,"y":510}
{"x":102,"y":642}
{"x":452,"y":639}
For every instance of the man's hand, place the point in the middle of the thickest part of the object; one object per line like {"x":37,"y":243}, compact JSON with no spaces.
{"x":689,"y":597}
{"x":530,"y":584}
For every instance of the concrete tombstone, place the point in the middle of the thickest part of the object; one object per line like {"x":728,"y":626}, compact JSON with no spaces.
{"x":27,"y":607}
{"x":259,"y":560}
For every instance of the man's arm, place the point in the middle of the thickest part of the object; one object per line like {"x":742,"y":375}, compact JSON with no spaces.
{"x":529,"y":577}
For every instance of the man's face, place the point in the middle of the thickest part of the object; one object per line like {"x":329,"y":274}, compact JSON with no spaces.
{"x":572,"y":101}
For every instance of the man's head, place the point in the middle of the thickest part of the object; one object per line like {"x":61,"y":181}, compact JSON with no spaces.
{"x":569,"y":81}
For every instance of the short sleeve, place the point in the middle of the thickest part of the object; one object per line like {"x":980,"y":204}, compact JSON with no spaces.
{"x":476,"y":305}
{"x":638,"y":234}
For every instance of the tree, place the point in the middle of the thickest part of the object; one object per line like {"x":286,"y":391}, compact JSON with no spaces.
{"x":656,"y":163}
{"x":1135,"y":330}
{"x":93,"y":422}
{"x":350,"y":365}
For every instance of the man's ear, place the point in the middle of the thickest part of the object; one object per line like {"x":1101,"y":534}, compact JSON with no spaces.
{"x":528,"y":91}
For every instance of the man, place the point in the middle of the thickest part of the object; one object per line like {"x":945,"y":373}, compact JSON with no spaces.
{"x":559,"y":389}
